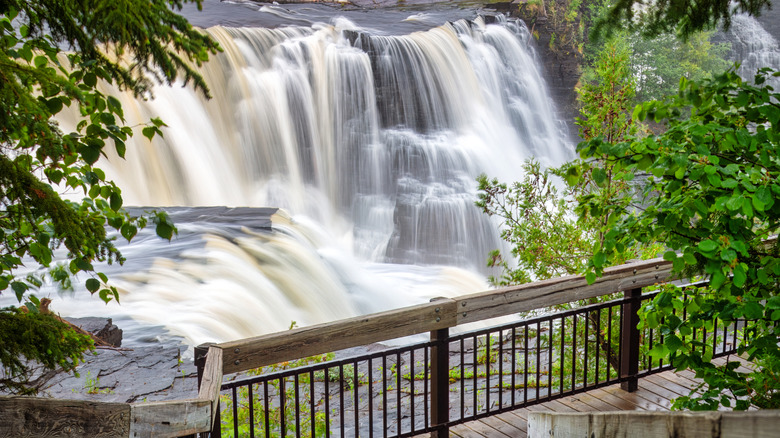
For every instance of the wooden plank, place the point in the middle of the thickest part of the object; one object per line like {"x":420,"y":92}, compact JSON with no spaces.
{"x":664,"y":395}
{"x":44,"y":417}
{"x":512,"y":425}
{"x":618,"y":402}
{"x":464,"y":430}
{"x":542,"y":294}
{"x":324,"y":338}
{"x":502,"y":428}
{"x":644,"y":400}
{"x":484,"y":427}
{"x":755,"y":424}
{"x":170,"y":418}
{"x":211,"y":381}
{"x":681,"y":389}
{"x":598,"y":403}
{"x":638,"y":424}
{"x":553,"y":405}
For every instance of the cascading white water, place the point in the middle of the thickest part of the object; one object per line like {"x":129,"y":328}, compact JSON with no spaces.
{"x":754,"y":48}
{"x":384,"y":134}
{"x":371,"y":142}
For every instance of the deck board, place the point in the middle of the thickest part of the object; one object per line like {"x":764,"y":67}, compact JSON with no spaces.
{"x":653,"y":394}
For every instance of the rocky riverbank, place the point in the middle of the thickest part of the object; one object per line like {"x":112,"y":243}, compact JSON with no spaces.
{"x":126,"y":375}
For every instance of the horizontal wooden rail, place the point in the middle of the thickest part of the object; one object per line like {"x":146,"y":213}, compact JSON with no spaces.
{"x":278,"y":347}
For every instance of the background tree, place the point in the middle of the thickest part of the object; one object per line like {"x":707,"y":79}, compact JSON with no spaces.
{"x":538,"y":222}
{"x":712,"y":200}
{"x":658,"y":63}
{"x":680,"y":17}
{"x":130,"y":43}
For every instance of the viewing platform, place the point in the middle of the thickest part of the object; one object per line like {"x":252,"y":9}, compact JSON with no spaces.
{"x":653,"y":394}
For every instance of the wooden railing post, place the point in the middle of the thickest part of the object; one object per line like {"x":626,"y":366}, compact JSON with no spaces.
{"x":201,"y":351}
{"x":629,"y":340}
{"x":440,"y":382}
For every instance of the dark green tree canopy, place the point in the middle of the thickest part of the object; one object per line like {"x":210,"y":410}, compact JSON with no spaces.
{"x":53,"y":54}
{"x":683,"y":17}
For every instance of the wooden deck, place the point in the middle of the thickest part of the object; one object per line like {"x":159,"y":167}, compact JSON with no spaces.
{"x":653,"y":394}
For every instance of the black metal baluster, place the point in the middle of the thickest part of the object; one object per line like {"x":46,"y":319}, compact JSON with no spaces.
{"x":411,"y":380}
{"x":585,"y":358}
{"x":282,"y":407}
{"x":235,"y":412}
{"x":312,"y":414}
{"x":356,"y":404}
{"x":384,"y":395}
{"x":574,"y":352}
{"x":267,"y":408}
{"x":251,"y":412}
{"x":562,"y":355}
{"x":370,"y":397}
{"x":297,"y":407}
{"x":341,"y":398}
{"x":327,"y":401}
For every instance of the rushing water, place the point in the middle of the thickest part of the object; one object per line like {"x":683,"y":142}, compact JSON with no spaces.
{"x":368,"y":138}
{"x":754,"y":46}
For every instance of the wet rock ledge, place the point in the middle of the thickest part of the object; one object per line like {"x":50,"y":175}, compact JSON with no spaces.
{"x":125,"y":375}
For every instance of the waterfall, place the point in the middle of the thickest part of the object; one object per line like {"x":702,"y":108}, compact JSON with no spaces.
{"x":371,"y":142}
{"x":753,"y":47}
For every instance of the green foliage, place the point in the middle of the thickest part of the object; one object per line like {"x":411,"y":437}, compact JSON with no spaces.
{"x":566,"y":20}
{"x":658,"y":63}
{"x":546,"y":238}
{"x":710,"y":196}
{"x":37,"y":81}
{"x":276,"y":413}
{"x":681,"y":17}
{"x":26,"y":334}
{"x":607,"y":94}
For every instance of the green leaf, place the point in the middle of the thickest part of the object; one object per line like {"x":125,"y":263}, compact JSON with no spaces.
{"x":752,"y":310}
{"x":149,"y":132}
{"x":92,"y":285}
{"x":599,"y":259}
{"x":89,"y":154}
{"x":115,"y":201}
{"x":164,"y":230}
{"x":672,"y":342}
{"x":590,"y":277}
{"x":90,"y":79}
{"x":41,"y":61}
{"x":599,"y":176}
{"x":659,"y":351}
{"x":740,"y":276}
{"x":81,"y":264}
{"x":707,"y":245}
{"x":19,"y":289}
{"x":128,"y":231}
{"x":572,"y":175}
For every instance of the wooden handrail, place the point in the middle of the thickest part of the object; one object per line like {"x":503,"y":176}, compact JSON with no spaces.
{"x":277,"y":347}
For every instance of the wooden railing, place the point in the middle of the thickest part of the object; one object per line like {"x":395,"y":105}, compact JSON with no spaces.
{"x":22,"y":416}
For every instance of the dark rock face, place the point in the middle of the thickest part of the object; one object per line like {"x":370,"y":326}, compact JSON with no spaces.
{"x":102,"y":328}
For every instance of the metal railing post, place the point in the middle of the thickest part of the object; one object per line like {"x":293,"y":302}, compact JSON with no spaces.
{"x":440,"y":383}
{"x":201,"y":351}
{"x":629,"y":341}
